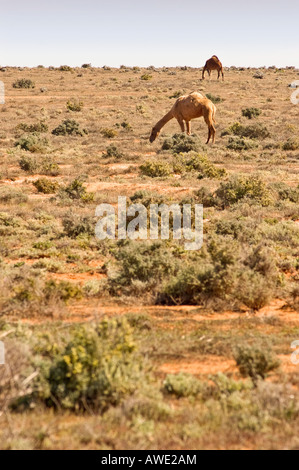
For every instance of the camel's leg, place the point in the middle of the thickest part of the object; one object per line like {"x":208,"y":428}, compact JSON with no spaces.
{"x":212,"y":131}
{"x":203,"y":73}
{"x":218,"y":74}
{"x":222,"y":75}
{"x":188,"y":124}
{"x":209,"y":72}
{"x":181,"y":123}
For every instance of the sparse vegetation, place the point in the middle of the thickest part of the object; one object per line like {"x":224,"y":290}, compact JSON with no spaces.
{"x":32,"y":143}
{"x":24,"y":83}
{"x":196,"y":352}
{"x":46,"y":186}
{"x":251,"y":112}
{"x":69,"y":127}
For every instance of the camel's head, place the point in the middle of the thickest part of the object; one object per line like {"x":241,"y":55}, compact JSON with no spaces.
{"x":154,"y":134}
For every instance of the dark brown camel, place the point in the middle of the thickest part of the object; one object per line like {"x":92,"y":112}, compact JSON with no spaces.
{"x":213,"y":64}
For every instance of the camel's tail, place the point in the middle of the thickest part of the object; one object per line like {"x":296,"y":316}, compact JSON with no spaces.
{"x":213,"y":114}
{"x":209,"y":117}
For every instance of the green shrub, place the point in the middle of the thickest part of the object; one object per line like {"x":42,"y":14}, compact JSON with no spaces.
{"x":46,"y":186}
{"x":97,"y":368}
{"x":147,"y":198}
{"x":241,"y":143}
{"x":108,"y":133}
{"x":198,"y":163}
{"x":240,"y":187}
{"x":86,"y":66}
{"x":125,"y":125}
{"x":65,"y":68}
{"x":225,"y":386}
{"x":251,"y":112}
{"x":285,"y":192}
{"x":75,"y":106}
{"x":255,"y":290}
{"x":213,"y":98}
{"x":62,"y":290}
{"x":144,"y":262}
{"x":13,"y":197}
{"x":182,"y":385}
{"x":291,"y":144}
{"x":24,"y":83}
{"x":69,"y":127}
{"x":182,"y":143}
{"x":39,"y":127}
{"x":203,"y":196}
{"x":49,"y":168}
{"x":76,"y":190}
{"x":75,"y":225}
{"x":197,"y":282}
{"x":156,"y":169}
{"x":255,"y":362}
{"x":33,"y":143}
{"x":146,"y":76}
{"x":28,"y":164}
{"x":112,"y":152}
{"x":254,"y":131}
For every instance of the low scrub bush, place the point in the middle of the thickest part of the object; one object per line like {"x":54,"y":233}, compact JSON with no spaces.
{"x":29,"y":164}
{"x":46,"y":186}
{"x":291,"y":144}
{"x":112,"y":152}
{"x":146,"y":76}
{"x":251,"y":112}
{"x":182,"y":385}
{"x":33,"y":143}
{"x":255,"y":362}
{"x":198,"y":163}
{"x":146,"y":262}
{"x":97,"y":368}
{"x":241,"y":187}
{"x":76,"y":190}
{"x":74,"y":106}
{"x":24,"y":83}
{"x":75,"y":225}
{"x":62,"y":290}
{"x":108,"y":133}
{"x":65,"y":68}
{"x":241,"y":143}
{"x":213,"y":98}
{"x":253,"y":131}
{"x":39,"y":127}
{"x":182,"y":143}
{"x":156,"y":169}
{"x":69,"y":127}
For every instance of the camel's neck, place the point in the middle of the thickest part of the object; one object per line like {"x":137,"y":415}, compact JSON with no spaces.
{"x":164,"y":120}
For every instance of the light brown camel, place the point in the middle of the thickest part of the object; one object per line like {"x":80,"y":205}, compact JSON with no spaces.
{"x":213,"y":64}
{"x":189,"y":107}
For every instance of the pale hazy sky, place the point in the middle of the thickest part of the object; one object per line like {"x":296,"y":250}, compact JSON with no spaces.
{"x":156,"y":32}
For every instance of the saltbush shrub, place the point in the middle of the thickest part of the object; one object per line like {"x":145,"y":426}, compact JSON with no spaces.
{"x":39,"y":127}
{"x":156,"y":169}
{"x":255,"y":362}
{"x":46,"y":186}
{"x":32,"y":143}
{"x":69,"y":127}
{"x":251,"y":112}
{"x":97,"y":368}
{"x":182,"y":143}
{"x":75,"y":106}
{"x":24,"y":83}
{"x":182,"y":385}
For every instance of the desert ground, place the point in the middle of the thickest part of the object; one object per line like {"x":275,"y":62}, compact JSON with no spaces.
{"x":141,"y":344}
